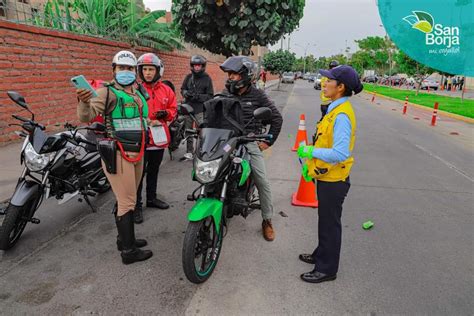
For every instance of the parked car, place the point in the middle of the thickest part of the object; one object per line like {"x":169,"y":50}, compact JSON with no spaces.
{"x":306,"y":76}
{"x":394,"y":80}
{"x":288,"y":77}
{"x":431,"y":83}
{"x":317,"y":82}
{"x":370,"y":79}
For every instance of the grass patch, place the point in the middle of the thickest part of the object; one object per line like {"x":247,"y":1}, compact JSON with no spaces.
{"x":449,"y":104}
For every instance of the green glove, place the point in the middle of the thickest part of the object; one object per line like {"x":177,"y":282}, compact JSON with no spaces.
{"x":305,"y":151}
{"x":304,"y":173}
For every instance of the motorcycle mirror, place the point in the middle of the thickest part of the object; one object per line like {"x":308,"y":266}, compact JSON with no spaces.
{"x":263,"y":114}
{"x":186,"y":109}
{"x":18,"y":99}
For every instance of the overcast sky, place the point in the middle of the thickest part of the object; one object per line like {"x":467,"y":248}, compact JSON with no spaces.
{"x":325,"y":26}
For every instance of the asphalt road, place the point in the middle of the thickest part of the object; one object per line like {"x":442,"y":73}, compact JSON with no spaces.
{"x":414,"y":181}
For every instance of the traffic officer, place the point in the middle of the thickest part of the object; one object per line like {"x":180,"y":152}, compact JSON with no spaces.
{"x":325,"y":101}
{"x":329,"y":161}
{"x":125,"y":113}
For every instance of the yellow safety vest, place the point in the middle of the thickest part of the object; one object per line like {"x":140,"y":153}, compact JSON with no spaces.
{"x":322,"y":170}
{"x":324,"y":100}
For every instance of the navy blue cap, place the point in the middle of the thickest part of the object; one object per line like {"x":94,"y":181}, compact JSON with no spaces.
{"x":345,"y":74}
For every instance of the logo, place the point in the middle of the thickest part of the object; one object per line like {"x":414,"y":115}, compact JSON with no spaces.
{"x":421,"y":21}
{"x":435,"y":34}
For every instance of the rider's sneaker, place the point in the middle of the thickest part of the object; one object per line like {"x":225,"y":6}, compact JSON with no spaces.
{"x":188,"y":156}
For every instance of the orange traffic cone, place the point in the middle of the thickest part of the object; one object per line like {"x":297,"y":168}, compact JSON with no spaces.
{"x":306,"y":194}
{"x":301,"y":136}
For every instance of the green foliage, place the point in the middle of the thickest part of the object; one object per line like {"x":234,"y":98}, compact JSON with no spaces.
{"x":57,"y":15}
{"x":375,"y":53}
{"x":411,"y":67}
{"x":279,"y":62}
{"x":121,"y":20}
{"x":234,"y":26}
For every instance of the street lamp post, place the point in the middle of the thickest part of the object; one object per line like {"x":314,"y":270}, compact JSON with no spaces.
{"x":304,"y":58}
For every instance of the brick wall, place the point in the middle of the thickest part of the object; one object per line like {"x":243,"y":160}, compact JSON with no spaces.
{"x":39,"y":63}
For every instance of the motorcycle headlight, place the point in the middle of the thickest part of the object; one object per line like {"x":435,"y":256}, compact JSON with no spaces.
{"x":35,"y":161}
{"x":206,"y":171}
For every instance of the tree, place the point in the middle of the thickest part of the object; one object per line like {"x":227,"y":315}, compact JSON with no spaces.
{"x":279,"y":62}
{"x":375,"y":53}
{"x":413,"y":68}
{"x":231,"y":27}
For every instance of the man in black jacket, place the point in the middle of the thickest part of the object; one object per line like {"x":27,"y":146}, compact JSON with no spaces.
{"x":196,"y":89}
{"x":242,"y":71}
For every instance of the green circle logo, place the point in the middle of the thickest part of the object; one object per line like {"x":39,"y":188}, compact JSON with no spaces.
{"x":437,"y":33}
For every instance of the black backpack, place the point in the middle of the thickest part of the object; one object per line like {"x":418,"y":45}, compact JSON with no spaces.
{"x":224,"y":112}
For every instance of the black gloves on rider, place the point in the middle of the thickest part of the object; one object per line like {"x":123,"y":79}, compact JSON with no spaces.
{"x":161,"y":114}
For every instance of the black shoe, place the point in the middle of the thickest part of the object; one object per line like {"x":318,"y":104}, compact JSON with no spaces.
{"x":138,"y":214}
{"x":317,"y":277}
{"x":306,"y":257}
{"x":157,"y":203}
{"x":126,"y":230}
{"x":139,"y":243}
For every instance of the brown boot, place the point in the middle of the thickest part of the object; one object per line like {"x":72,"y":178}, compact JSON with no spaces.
{"x":267,"y":230}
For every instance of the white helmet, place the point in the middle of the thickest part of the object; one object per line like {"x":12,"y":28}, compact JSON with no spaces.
{"x":124,"y":58}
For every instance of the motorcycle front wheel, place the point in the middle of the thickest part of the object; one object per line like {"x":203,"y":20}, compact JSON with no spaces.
{"x":14,"y":224}
{"x":201,"y":249}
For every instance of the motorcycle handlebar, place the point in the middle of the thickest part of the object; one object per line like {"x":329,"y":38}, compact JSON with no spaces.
{"x":252,"y":138}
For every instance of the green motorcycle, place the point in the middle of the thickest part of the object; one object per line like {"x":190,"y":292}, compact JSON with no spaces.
{"x":222,"y":168}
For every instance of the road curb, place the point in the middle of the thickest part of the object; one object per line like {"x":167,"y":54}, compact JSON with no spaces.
{"x":427,"y":109}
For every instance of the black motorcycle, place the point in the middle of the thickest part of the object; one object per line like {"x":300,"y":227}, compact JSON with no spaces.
{"x":177,"y":132}
{"x":222,"y":168}
{"x":63,"y":165}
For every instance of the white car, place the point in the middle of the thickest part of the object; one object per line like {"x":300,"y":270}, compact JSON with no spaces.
{"x":317,"y":82}
{"x":431,"y":83}
{"x":288,"y":77}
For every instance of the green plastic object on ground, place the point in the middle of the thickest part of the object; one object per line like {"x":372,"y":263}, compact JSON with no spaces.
{"x":368,"y":225}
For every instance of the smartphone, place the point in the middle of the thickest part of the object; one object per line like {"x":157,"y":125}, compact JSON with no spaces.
{"x":80,"y":82}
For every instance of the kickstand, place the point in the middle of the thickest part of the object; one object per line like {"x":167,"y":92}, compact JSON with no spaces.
{"x":86,"y":198}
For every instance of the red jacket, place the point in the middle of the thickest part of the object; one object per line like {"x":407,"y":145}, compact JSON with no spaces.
{"x":161,"y":98}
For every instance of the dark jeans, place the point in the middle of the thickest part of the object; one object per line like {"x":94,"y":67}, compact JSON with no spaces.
{"x":331,"y":196}
{"x":151,"y":167}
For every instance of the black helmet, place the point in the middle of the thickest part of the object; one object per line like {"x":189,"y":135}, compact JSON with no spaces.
{"x":198,"y":60}
{"x":243,"y":66}
{"x":333,"y":64}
